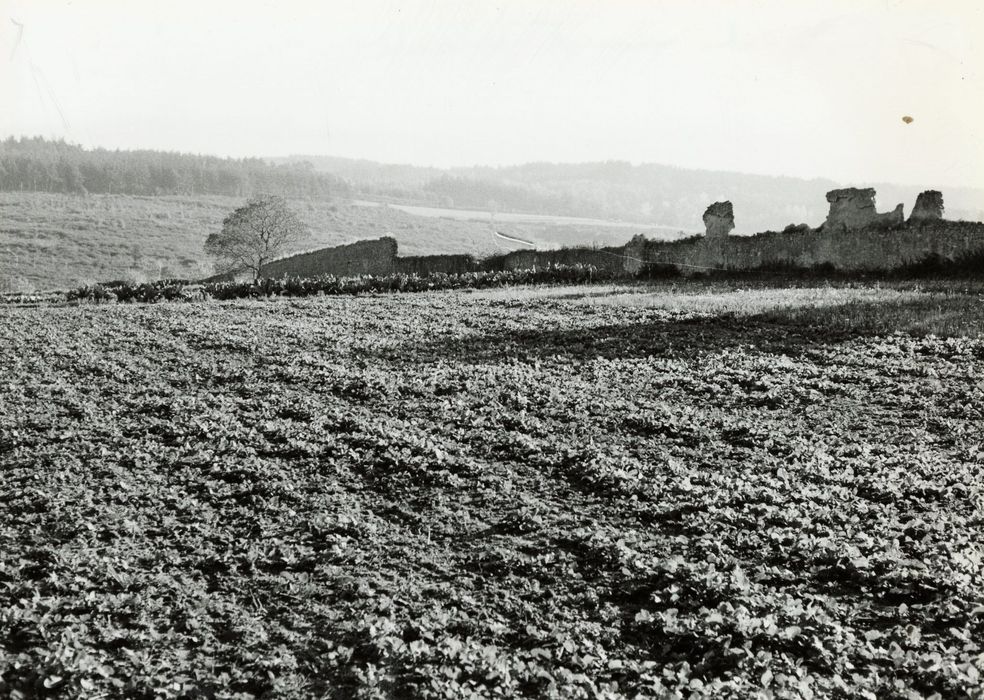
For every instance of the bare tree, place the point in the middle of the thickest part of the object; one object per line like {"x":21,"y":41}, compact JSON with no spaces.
{"x":255,"y":234}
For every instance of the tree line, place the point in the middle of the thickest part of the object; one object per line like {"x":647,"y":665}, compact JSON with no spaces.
{"x":36,"y":164}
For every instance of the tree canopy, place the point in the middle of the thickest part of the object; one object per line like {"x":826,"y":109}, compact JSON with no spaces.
{"x":256,"y":233}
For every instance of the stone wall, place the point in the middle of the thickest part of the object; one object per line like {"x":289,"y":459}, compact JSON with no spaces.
{"x":871,"y":248}
{"x":854,"y":237}
{"x":375,"y":257}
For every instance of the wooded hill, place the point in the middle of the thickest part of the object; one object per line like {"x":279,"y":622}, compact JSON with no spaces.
{"x":40,"y":165}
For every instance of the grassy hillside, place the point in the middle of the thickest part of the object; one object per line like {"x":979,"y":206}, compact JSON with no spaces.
{"x":56,"y":240}
{"x":690,"y":494}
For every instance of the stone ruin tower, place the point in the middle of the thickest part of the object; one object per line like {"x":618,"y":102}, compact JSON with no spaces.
{"x":929,"y":207}
{"x":719,"y":220}
{"x":852,"y":208}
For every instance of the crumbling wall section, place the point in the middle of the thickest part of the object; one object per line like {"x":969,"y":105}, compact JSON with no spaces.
{"x":929,"y":207}
{"x":855,"y":237}
{"x":374,"y":257}
{"x":868,"y":249}
{"x":852,"y":209}
{"x":719,"y":220}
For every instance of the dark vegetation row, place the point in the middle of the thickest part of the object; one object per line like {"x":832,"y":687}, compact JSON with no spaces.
{"x":40,"y":165}
{"x":970,"y":268}
{"x":331,"y":285}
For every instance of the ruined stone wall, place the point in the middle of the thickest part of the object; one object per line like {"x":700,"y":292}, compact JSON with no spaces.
{"x":854,"y":238}
{"x":871,"y":248}
{"x":375,"y":257}
{"x":853,"y":209}
{"x":874,"y":247}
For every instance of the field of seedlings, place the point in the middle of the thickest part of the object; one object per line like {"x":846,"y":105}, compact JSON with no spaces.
{"x":575,"y":492}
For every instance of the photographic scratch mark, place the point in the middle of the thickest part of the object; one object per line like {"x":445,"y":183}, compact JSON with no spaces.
{"x":41,"y":82}
{"x":37,"y":73}
{"x":20,"y":35}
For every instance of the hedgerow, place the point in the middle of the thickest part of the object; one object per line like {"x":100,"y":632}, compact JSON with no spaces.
{"x":331,"y":285}
{"x":932,"y":267}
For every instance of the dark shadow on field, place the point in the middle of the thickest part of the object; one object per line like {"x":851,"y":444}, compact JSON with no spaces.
{"x":789,"y":331}
{"x":613,"y":341}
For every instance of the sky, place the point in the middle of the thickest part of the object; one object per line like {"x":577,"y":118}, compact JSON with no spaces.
{"x":797,"y":87}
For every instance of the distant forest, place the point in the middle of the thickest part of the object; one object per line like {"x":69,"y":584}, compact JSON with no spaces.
{"x":41,"y":165}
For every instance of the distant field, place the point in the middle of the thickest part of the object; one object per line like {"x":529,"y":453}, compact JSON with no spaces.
{"x":686,"y":491}
{"x":50,"y":241}
{"x":654,"y":230}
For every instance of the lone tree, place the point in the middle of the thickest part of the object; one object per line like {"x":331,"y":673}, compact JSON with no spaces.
{"x":255,"y":234}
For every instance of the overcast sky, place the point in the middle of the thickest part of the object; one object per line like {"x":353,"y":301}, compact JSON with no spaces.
{"x":795,"y":87}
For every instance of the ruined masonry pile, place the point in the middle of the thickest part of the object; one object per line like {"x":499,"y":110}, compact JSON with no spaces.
{"x":719,"y":220}
{"x":852,"y":208}
{"x":929,"y":207}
